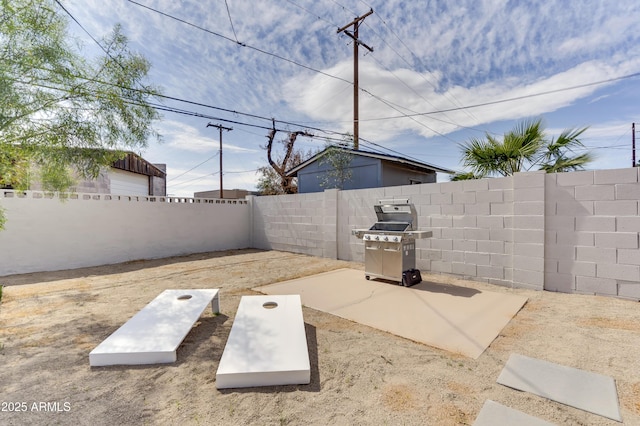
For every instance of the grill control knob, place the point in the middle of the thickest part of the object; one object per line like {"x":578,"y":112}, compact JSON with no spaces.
{"x":368,"y":237}
{"x":386,"y":238}
{"x":395,"y":239}
{"x":377,"y":237}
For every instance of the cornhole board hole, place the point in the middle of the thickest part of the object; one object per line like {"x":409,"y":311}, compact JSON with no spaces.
{"x":267,"y":345}
{"x":153,"y":335}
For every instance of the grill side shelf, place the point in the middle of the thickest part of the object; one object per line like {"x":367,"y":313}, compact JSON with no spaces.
{"x":419,"y":234}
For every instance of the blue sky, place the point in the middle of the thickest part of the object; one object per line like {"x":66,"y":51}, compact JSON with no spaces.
{"x":290,"y":64}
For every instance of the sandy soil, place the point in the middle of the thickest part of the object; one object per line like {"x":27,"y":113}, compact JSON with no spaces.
{"x":359,"y":376}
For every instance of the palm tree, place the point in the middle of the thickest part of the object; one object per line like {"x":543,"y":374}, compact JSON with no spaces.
{"x":522,"y":149}
{"x":555,"y":159}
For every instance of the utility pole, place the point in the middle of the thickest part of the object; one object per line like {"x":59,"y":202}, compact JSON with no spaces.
{"x":633,"y":144}
{"x":221,"y":128}
{"x":356,"y":24}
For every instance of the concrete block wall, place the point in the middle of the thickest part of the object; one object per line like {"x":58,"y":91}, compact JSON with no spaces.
{"x":489,"y":230}
{"x":592,"y":233}
{"x":44,"y":233}
{"x":355,"y":211}
{"x":573,"y":232}
{"x":299,"y":223}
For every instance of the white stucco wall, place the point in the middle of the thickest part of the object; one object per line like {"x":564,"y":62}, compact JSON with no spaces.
{"x":46,"y":234}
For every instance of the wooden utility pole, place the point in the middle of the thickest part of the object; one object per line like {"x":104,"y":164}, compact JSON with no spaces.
{"x":356,"y":24}
{"x":221,"y":128}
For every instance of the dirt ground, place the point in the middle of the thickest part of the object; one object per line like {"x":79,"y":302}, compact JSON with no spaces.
{"x":49,"y":322}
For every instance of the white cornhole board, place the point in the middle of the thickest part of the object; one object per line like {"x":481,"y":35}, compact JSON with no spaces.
{"x":153,"y":335}
{"x":267,"y":345}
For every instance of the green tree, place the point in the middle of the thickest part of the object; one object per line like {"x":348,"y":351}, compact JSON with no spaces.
{"x":523,"y":148}
{"x":60,"y":111}
{"x":338,"y":159}
{"x":556,"y":156}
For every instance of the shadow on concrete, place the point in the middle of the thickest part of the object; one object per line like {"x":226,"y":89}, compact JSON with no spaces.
{"x":432,"y":287}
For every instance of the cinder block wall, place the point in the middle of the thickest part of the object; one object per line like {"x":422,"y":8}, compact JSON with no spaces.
{"x":300,"y":223}
{"x":45,"y":234}
{"x":592,"y":233}
{"x":490,"y":230}
{"x":571,"y":232}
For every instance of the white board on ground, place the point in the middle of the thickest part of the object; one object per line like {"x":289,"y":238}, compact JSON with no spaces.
{"x":581,"y":389}
{"x":153,"y":335}
{"x":267,"y":345}
{"x":493,"y":414}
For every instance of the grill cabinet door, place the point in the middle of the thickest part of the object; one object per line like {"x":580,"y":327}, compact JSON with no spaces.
{"x":373,"y":257}
{"x":392,"y":261}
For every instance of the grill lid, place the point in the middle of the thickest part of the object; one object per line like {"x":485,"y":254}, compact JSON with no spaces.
{"x":398,"y":211}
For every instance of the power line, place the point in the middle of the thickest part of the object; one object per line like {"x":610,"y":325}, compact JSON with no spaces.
{"x":354,"y":36}
{"x":404,"y":115}
{"x":396,"y":76}
{"x":291,"y":61}
{"x":242,"y":171}
{"x":193,"y":180}
{"x":355,"y":83}
{"x":195,"y":167}
{"x":389,"y":103}
{"x":373,"y":146}
{"x":311,"y":13}
{"x":231,"y":22}
{"x":339,"y":78}
{"x":174,"y":98}
{"x":401,"y":81}
{"x":516,"y":98}
{"x":415,"y":58}
{"x":196,"y":114}
{"x":84,"y":29}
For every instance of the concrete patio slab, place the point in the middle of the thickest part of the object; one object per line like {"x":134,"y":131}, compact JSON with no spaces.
{"x":153,"y":335}
{"x":457,"y":319}
{"x":577,"y":388}
{"x":493,"y":414}
{"x":267,"y":345}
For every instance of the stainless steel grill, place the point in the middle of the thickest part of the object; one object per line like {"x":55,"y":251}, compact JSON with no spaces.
{"x":389,"y":245}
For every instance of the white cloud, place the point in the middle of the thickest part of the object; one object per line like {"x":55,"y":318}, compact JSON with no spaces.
{"x":180,"y":135}
{"x":318,"y":98}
